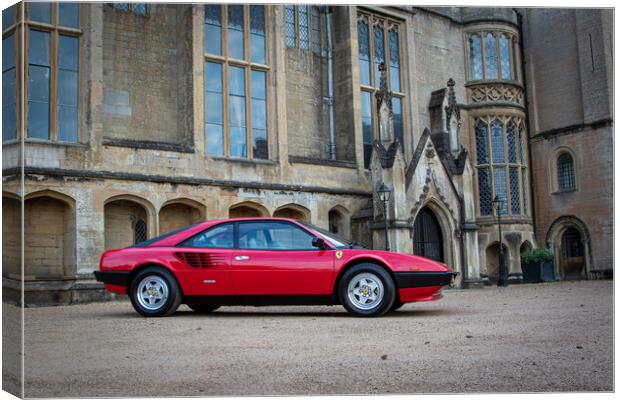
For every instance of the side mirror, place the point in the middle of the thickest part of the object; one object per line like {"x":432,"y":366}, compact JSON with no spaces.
{"x":319,"y":242}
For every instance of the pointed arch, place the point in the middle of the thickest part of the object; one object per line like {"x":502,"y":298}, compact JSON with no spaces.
{"x":65,"y":198}
{"x":180,"y":212}
{"x":448,"y":229}
{"x":294,"y":211}
{"x":247,"y":209}
{"x":339,"y":221}
{"x":558,"y":242}
{"x":128,"y":219}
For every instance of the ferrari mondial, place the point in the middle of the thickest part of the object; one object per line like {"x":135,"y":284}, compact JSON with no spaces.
{"x":266,"y":261}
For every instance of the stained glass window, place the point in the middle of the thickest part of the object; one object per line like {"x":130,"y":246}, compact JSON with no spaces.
{"x":515,"y":193}
{"x":566,"y":172}
{"x":484,"y":187}
{"x":482,"y":152}
{"x":491,"y":56}
{"x":497,"y":142}
{"x":475,"y":49}
{"x":504,"y":53}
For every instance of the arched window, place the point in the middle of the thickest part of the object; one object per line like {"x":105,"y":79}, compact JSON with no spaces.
{"x":504,"y":56}
{"x":566,"y":172}
{"x":490,"y":56}
{"x":475,"y":49}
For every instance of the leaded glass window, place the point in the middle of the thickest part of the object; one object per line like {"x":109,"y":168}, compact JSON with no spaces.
{"x":394,"y":59}
{"x":504,"y":56}
{"x":490,"y":56}
{"x":289,"y":26}
{"x":512,"y":143}
{"x":136,"y":8}
{"x":497,"y":142}
{"x":499,"y":183}
{"x":484,"y":187}
{"x":379,"y":42}
{"x":379,"y":46}
{"x":501,"y":172}
{"x":302,"y":26}
{"x":482,"y":146}
{"x":475,"y":54}
{"x":499,"y":51}
{"x":515,"y":193}
{"x":364,"y":50}
{"x":236,"y":75}
{"x":566,"y":172}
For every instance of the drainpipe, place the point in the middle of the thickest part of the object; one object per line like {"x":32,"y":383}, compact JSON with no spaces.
{"x":527,"y":120}
{"x":331,"y":146}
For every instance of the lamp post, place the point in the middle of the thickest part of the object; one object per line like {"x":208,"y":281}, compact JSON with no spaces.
{"x":384,"y":194}
{"x":503,"y":275}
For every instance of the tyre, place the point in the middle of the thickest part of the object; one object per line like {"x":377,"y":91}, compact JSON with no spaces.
{"x":203,"y":308}
{"x":154,"y":292}
{"x":367,"y":290}
{"x":396,"y":306}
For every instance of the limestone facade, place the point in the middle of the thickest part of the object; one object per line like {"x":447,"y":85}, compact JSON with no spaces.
{"x":141,"y":164}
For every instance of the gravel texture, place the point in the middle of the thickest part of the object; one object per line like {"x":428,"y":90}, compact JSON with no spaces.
{"x":524,"y":338}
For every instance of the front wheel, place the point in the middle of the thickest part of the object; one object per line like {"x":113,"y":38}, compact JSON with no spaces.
{"x":154,"y":292}
{"x":367,"y":290}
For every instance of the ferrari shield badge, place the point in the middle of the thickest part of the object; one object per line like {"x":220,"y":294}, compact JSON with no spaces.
{"x":339,"y":255}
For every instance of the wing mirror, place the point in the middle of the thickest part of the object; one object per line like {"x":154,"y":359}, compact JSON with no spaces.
{"x":319,"y":242}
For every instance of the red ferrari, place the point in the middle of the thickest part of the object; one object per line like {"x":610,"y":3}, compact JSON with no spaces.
{"x":266,"y":261}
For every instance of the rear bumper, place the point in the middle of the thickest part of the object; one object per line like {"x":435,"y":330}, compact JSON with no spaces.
{"x":117,"y":278}
{"x":407,"y":280}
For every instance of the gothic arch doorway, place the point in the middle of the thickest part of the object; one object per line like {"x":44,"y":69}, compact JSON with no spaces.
{"x":572,"y":260}
{"x":427,"y":237}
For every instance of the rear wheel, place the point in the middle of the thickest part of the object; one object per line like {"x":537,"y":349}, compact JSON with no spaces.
{"x":396,"y":305}
{"x":367,"y":290}
{"x":154,"y":292}
{"x":203,"y":308}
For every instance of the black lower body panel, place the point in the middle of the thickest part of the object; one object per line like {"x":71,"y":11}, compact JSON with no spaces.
{"x":406,"y":280}
{"x":262,"y":300}
{"x":120,"y":278}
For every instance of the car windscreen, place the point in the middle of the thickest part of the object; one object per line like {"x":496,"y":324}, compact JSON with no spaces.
{"x":335,"y":239}
{"x":161,"y":237}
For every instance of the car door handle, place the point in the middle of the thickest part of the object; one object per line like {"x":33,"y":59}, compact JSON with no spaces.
{"x":241,"y":258}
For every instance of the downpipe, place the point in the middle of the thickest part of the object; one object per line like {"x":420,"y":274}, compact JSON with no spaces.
{"x":331,"y":146}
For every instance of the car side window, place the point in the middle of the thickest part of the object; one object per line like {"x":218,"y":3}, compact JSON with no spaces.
{"x":273,"y":236}
{"x":217,"y":237}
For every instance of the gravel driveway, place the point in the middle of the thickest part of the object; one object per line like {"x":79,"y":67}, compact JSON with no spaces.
{"x":531,"y":338}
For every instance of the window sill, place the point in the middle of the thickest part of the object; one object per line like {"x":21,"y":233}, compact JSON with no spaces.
{"x":563,"y":191}
{"x":56,"y":144}
{"x":241,"y":160}
{"x":321,"y":162}
{"x":147,"y":145}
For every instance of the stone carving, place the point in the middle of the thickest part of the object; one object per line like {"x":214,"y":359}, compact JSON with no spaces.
{"x":384,"y":107}
{"x":495,"y":92}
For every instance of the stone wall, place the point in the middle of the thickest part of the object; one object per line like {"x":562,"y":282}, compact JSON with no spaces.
{"x":147,"y":74}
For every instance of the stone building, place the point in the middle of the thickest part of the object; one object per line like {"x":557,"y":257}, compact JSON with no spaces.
{"x":137,"y":119}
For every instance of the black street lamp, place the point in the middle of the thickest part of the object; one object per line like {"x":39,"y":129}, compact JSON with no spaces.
{"x":384,"y":195}
{"x":503,"y":275}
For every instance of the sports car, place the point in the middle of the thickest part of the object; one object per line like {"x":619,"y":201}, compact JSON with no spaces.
{"x":266,"y":261}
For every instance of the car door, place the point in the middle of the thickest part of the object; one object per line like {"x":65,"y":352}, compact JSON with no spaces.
{"x":277,"y":258}
{"x":206,"y":257}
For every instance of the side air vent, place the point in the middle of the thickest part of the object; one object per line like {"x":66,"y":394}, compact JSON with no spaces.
{"x":202,"y":260}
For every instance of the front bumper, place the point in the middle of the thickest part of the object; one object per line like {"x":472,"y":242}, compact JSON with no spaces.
{"x":406,"y":280}
{"x":118,"y":278}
